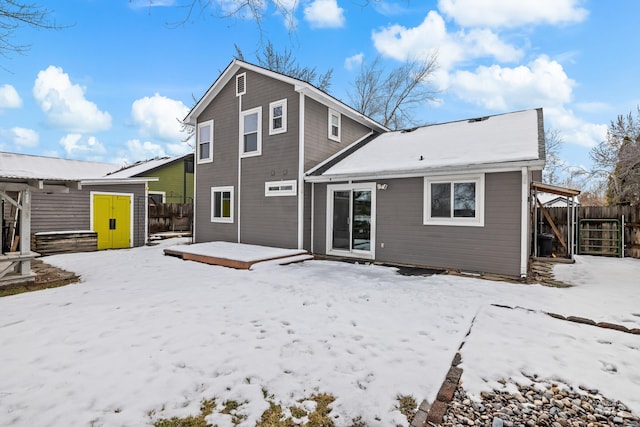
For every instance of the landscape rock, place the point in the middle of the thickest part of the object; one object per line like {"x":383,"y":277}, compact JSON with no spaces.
{"x":557,"y":406}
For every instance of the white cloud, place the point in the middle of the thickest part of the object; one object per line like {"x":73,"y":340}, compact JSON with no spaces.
{"x":353,"y":61}
{"x":9,"y":97}
{"x":540,"y":83}
{"x":157,"y":116}
{"x":24,"y":137}
{"x":572,"y":128}
{"x":76,"y":146}
{"x":138,"y":150}
{"x":324,"y":14}
{"x":65,"y":105}
{"x":510,"y":13}
{"x":402,"y":43}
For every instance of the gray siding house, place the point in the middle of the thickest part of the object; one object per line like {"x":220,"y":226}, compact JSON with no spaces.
{"x":280,"y":163}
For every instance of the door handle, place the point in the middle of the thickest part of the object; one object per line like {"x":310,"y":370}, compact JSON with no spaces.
{"x":112,"y":223}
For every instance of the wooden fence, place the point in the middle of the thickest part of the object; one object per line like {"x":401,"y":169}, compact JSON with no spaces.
{"x":608,"y":230}
{"x":170,"y":217}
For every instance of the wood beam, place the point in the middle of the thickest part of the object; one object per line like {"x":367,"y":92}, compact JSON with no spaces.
{"x":552,"y":224}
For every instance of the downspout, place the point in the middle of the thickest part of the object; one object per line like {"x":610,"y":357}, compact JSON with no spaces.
{"x":524,"y":223}
{"x":313,"y":197}
{"x":239,"y":162}
{"x":301,"y":172}
{"x":146,"y":215}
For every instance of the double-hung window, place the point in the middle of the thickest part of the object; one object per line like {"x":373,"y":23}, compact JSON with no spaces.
{"x":278,"y":117}
{"x":205,"y":142}
{"x":454,"y":200}
{"x":334,"y":125}
{"x":251,"y":132}
{"x":221,"y":204}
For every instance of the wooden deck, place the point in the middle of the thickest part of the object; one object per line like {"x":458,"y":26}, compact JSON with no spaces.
{"x":237,"y":255}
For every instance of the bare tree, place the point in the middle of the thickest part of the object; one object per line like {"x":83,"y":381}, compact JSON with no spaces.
{"x":253,"y":9}
{"x":15,"y":14}
{"x":390,"y":97}
{"x":554,"y":165}
{"x":618,"y":160}
{"x":285,"y":63}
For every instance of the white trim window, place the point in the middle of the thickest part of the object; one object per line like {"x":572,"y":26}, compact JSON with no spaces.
{"x":205,"y":142}
{"x":157,"y":196}
{"x":457,"y":200}
{"x":280,"y":188}
{"x":251,"y":132}
{"x":278,"y":117}
{"x":335,"y":125}
{"x":222,"y":204}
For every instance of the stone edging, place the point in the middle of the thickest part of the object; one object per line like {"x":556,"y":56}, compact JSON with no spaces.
{"x":432,"y":415}
{"x":577,"y":319}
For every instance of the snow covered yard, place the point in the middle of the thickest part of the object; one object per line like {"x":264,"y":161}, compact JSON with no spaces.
{"x":147,"y":336}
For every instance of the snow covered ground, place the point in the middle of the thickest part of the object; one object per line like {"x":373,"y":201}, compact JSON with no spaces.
{"x":144,"y":333}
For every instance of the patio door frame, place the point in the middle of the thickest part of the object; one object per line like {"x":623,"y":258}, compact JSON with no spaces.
{"x":355,"y":253}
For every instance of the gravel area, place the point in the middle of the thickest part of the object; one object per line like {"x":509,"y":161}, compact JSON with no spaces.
{"x":541,"y":403}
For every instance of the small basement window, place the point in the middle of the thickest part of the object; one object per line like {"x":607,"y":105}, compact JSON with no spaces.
{"x":280,"y":188}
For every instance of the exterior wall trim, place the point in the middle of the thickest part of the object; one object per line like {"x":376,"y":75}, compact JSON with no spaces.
{"x":524,"y":225}
{"x":301,"y":141}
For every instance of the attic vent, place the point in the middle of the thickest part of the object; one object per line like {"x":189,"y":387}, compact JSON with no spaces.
{"x":478,"y":119}
{"x":241,"y":84}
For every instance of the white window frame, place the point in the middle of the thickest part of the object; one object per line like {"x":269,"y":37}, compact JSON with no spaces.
{"x":243,"y":114}
{"x":477,"y":221}
{"x":243,"y":77}
{"x":221,"y":190}
{"x":272,"y":106}
{"x":330,"y":134}
{"x":269,"y":191}
{"x":200,"y":126}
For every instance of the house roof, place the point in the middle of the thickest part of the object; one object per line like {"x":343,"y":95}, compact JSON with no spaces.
{"x":493,"y":141}
{"x":299,"y":85}
{"x":145,"y":166}
{"x":14,"y":166}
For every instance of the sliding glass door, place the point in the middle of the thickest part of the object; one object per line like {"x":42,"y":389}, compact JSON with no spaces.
{"x":351,"y":219}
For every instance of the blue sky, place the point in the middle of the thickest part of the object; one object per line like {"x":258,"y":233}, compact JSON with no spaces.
{"x":112,"y":84}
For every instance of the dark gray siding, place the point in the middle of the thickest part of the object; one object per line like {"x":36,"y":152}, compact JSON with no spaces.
{"x":72,"y":211}
{"x":320,"y":218}
{"x":317,"y":145}
{"x":264,"y":220}
{"x":60,"y":211}
{"x":494,"y":248}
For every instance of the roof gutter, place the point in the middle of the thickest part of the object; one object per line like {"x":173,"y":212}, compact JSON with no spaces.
{"x":117,"y":181}
{"x":444,"y":170}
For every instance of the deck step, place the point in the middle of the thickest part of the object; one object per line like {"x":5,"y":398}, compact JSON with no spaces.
{"x":282,"y":261}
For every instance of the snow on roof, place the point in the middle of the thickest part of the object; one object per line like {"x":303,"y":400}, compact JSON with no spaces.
{"x":23,"y":166}
{"x":508,"y":137}
{"x":143,"y":166}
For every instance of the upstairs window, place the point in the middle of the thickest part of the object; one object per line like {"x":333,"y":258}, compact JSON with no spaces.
{"x":251,"y":132}
{"x":205,"y":142}
{"x":221,"y":204}
{"x":278,"y":117}
{"x":454,"y":201}
{"x":334,"y":125}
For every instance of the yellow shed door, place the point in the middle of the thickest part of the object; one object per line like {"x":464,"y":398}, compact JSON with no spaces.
{"x":112,"y":220}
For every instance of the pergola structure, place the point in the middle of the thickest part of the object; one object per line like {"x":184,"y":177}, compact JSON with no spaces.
{"x":570,"y":195}
{"x":15,"y":238}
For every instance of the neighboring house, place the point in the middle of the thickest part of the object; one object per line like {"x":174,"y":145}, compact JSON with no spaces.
{"x":549,"y":200}
{"x":280,"y":163}
{"x":175,"y":178}
{"x":114,"y":208}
